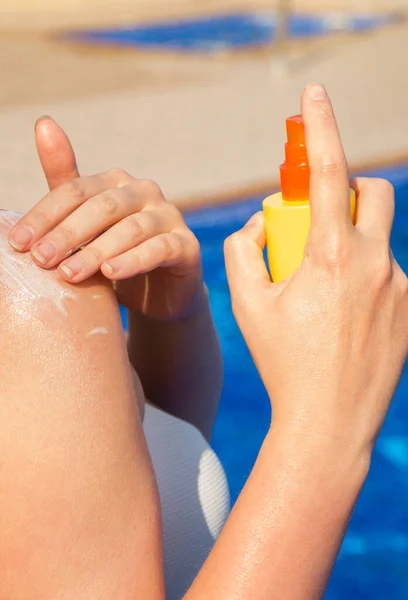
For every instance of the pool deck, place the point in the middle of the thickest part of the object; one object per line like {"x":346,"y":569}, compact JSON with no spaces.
{"x":207,"y":128}
{"x":35,"y":14}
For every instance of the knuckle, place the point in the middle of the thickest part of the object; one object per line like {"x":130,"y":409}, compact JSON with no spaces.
{"x":174,"y":213}
{"x":74,"y":190}
{"x":332,"y":165}
{"x":233,"y":241}
{"x":108,"y":203}
{"x":383,"y":270}
{"x":333,"y":252}
{"x":165,"y":246}
{"x":95,"y":253}
{"x":43,"y":219}
{"x":118,"y":174}
{"x":325,"y":111}
{"x":189,"y":247}
{"x":68,"y":234}
{"x":172,"y":245}
{"x":384,"y":188}
{"x":194,"y":246}
{"x":137,"y":257}
{"x":150,"y":188}
{"x":134,"y":229}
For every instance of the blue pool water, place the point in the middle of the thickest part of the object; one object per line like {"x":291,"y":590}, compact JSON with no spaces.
{"x":373,"y":563}
{"x":241,"y":30}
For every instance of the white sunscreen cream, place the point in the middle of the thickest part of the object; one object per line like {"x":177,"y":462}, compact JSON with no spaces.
{"x":97,"y":330}
{"x":22,"y":276}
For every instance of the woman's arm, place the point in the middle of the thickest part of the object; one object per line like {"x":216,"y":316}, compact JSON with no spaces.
{"x":330,"y":344}
{"x":284,"y":533}
{"x":179,"y":363}
{"x":79,"y":510}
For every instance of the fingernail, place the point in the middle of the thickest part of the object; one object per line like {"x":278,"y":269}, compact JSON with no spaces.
{"x":108,"y":269}
{"x":316,"y":91}
{"x":73,"y":267}
{"x":44,"y":252}
{"x":43,"y":118}
{"x":21,"y":237}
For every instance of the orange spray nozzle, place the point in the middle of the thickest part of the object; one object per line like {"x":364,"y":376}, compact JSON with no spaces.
{"x":295,"y":173}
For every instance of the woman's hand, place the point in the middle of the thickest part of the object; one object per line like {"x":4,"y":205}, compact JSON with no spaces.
{"x":331,"y":341}
{"x":113,"y":223}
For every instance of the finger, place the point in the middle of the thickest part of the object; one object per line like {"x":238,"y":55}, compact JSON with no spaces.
{"x":55,"y":152}
{"x":329,"y":185}
{"x":164,"y":250}
{"x":125,"y":235}
{"x":244,"y":261}
{"x":60,"y":203}
{"x":375,"y":207}
{"x":84,"y":224}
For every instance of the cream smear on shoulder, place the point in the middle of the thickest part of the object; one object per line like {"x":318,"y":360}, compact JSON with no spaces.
{"x":22,"y":276}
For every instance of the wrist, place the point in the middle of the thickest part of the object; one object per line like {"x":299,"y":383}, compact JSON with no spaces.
{"x":197,"y":305}
{"x":334,"y":461}
{"x":154,"y":331}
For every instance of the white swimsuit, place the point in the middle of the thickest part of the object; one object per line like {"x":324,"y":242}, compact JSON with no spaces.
{"x":194,"y":496}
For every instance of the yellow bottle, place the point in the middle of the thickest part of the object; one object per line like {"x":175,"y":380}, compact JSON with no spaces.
{"x":287,"y":214}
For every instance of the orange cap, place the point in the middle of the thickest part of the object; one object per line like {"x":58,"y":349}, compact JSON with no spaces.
{"x":295,"y":173}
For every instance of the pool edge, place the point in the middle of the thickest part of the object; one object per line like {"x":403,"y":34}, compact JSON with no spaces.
{"x":264,"y":188}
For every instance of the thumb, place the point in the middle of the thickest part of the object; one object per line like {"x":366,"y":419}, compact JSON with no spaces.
{"x":55,"y":152}
{"x":244,"y":261}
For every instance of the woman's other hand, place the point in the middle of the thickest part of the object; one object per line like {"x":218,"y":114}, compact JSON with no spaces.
{"x":113,"y":223}
{"x":330,"y":342}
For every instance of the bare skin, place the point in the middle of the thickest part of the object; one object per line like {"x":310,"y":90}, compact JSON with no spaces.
{"x":330,"y":343}
{"x":140,"y":242}
{"x":79,"y":510}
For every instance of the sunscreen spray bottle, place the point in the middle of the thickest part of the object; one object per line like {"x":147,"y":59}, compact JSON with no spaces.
{"x":287,"y":214}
